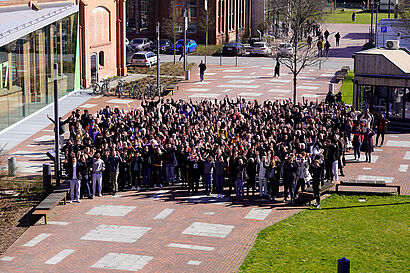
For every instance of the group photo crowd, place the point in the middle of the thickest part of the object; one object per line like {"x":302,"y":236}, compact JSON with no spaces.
{"x":270,"y":149}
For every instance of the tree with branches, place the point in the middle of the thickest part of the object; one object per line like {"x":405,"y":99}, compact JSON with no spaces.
{"x":297,"y":17}
{"x":172,"y":27}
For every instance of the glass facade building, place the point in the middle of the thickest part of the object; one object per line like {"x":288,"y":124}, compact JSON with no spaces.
{"x":27,"y":73}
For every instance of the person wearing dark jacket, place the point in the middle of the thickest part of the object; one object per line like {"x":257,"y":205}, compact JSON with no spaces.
{"x":330,"y":157}
{"x":114,"y":165}
{"x":194,"y":170}
{"x":381,"y":129}
{"x":219,"y":172}
{"x":84,"y":165}
{"x":289,"y":176}
{"x":74,"y":175}
{"x":273,"y":176}
{"x":158,"y":163}
{"x":251,"y":171}
{"x":136,"y":167}
{"x":316,"y":171}
{"x":368,"y":145}
{"x":146,"y":167}
{"x":208,"y":166}
{"x":240,"y":175}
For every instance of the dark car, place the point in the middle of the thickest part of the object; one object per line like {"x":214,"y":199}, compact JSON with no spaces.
{"x":233,"y":49}
{"x":164,"y":45}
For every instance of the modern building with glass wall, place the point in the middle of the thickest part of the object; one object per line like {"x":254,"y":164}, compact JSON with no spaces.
{"x":32,"y":39}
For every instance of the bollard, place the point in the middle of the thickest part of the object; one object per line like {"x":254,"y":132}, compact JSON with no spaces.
{"x":236,"y":60}
{"x":220,"y":59}
{"x":47,"y":177}
{"x":12,"y":166}
{"x":187,"y":75}
{"x":343,"y":265}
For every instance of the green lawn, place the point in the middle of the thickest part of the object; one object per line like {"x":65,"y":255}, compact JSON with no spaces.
{"x":347,"y":88}
{"x":345,"y":17}
{"x":373,"y":235}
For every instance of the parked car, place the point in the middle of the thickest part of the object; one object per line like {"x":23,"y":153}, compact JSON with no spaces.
{"x":144,"y":58}
{"x":233,"y":49}
{"x":164,"y":45}
{"x":261,"y":48}
{"x":190,"y":47}
{"x":284,"y":49}
{"x":140,"y":44}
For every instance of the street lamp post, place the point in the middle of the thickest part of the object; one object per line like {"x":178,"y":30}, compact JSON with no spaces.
{"x":371,"y":25}
{"x":377,"y":13}
{"x":389,"y":7}
{"x":57,"y":128}
{"x":206,"y":25}
{"x":185,"y":29}
{"x":158,"y":59}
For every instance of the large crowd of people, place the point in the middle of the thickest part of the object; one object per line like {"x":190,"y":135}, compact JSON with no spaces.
{"x":229,"y":145}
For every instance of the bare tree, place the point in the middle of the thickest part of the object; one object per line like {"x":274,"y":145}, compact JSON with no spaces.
{"x":297,"y":17}
{"x":205,"y":22}
{"x":172,"y":27}
{"x":404,"y":12}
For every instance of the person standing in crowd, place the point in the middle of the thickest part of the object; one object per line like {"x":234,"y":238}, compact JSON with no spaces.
{"x":327,"y":47}
{"x":263,"y":165}
{"x":357,"y":142}
{"x":289,"y":176}
{"x":61,"y":127}
{"x":74,"y":175}
{"x":208,"y":165}
{"x":202,"y":68}
{"x":97,"y":169}
{"x":114,"y":163}
{"x":170,"y":162}
{"x":146,"y":167}
{"x":319,"y":45}
{"x":277,"y":68}
{"x":194,"y":170}
{"x":309,"y":41}
{"x":337,"y":37}
{"x":219,"y":176}
{"x":273,"y":176}
{"x":136,"y":168}
{"x":251,"y":171}
{"x":157,"y":162}
{"x":330,"y":156}
{"x":301,"y":174}
{"x":326,"y":34}
{"x":381,"y":129}
{"x":316,"y":171}
{"x":84,"y":168}
{"x":368,"y":145}
{"x":240,"y":174}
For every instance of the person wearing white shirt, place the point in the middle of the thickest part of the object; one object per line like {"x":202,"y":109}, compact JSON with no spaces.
{"x":263,"y":165}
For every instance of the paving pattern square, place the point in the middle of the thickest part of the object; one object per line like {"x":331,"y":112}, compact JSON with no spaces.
{"x":120,"y":101}
{"x":308,"y":87}
{"x":30,"y":154}
{"x":60,"y":256}
{"x":88,"y":105}
{"x":210,"y":230}
{"x":403,"y":168}
{"x":258,"y":214}
{"x":114,"y":233}
{"x":398,"y":143}
{"x":374,"y":177}
{"x":281,"y":91}
{"x":280,"y":80}
{"x":194,"y":262}
{"x":407,"y":156}
{"x":241,"y":81}
{"x":249,"y":94}
{"x":122,"y":261}
{"x":164,"y":214}
{"x":44,"y":138}
{"x":6,"y":258}
{"x":205,"y":95}
{"x":57,"y":223}
{"x":198,"y":89}
{"x":37,"y":239}
{"x":202,"y":82}
{"x":111,"y":210}
{"x":193,"y":247}
{"x":239,"y":86}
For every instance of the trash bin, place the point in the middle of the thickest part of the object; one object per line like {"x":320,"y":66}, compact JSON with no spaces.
{"x":47,"y":177}
{"x":187,"y":75}
{"x":343,"y":265}
{"x":12,"y":166}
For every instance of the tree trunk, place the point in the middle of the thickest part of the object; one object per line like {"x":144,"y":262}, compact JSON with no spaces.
{"x":294,"y":88}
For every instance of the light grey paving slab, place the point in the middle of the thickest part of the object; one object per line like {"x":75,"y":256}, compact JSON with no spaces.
{"x":116,"y":233}
{"x":407,"y":155}
{"x":58,"y":223}
{"x":280,"y":80}
{"x":200,"y":83}
{"x":249,"y":94}
{"x":6,"y":258}
{"x":308,"y":87}
{"x":374,"y":158}
{"x":164,"y":214}
{"x":198,"y":89}
{"x":403,"y":168}
{"x":204,"y":95}
{"x":279,"y":91}
{"x":240,"y":77}
{"x":239,"y":86}
{"x":30,"y":154}
{"x":60,"y":256}
{"x":266,"y":68}
{"x":326,"y":75}
{"x":394,"y":136}
{"x":398,"y":143}
{"x":49,"y":131}
{"x":307,"y":78}
{"x":45,"y":138}
{"x":232,"y":70}
{"x":111,"y":210}
{"x":88,"y":105}
{"x":258,"y":214}
{"x":37,"y":239}
{"x":120,"y":101}
{"x":241,"y":81}
{"x":310,"y":96}
{"x":367,"y":168}
{"x":159,"y":194}
{"x":194,"y":262}
{"x":374,"y":177}
{"x":207,"y":229}
{"x":122,"y":261}
{"x":194,"y":247}
{"x":378,"y":150}
{"x":226,"y":90}
{"x":209,"y":213}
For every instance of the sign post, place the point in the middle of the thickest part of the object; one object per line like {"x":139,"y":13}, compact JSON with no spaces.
{"x":383,"y":31}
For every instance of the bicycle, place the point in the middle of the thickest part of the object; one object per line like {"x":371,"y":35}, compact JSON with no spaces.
{"x":105,"y":88}
{"x":96,"y":87}
{"x":150,"y":92}
{"x":119,"y":90}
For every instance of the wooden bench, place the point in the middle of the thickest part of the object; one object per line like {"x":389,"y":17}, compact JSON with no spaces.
{"x":309,"y":191}
{"x":171,"y":88}
{"x":367,"y":183}
{"x":49,"y":203}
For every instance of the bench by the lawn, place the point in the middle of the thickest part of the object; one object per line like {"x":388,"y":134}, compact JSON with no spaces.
{"x":342,"y":73}
{"x":170,"y":88}
{"x":309,"y":191}
{"x":49,"y":203}
{"x":367,"y":183}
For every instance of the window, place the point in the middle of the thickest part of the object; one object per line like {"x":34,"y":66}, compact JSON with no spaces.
{"x":192,"y":26}
{"x":101,"y":58}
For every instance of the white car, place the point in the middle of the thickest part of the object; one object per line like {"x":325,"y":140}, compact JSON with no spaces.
{"x":261,"y":48}
{"x":284,"y":49}
{"x":144,"y":58}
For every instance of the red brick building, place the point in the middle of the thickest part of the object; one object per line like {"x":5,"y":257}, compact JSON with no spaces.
{"x":229,"y":20}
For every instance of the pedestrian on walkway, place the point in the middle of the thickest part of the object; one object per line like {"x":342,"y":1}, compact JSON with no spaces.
{"x":277,"y":68}
{"x":327,"y":47}
{"x":309,"y":41}
{"x":368,"y":145}
{"x":326,"y":34}
{"x":353,"y":16}
{"x":337,"y":37}
{"x":182,"y":54}
{"x":202,"y":68}
{"x":381,"y":129}
{"x":319,"y":48}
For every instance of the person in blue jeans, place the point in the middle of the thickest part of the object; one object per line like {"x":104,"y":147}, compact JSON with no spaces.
{"x":208,"y":169}
{"x":240,"y":174}
{"x":219,"y":171}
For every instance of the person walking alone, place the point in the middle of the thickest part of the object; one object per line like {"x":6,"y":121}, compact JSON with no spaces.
{"x":202,"y":68}
{"x":327,"y":47}
{"x":319,"y":48}
{"x":381,"y":129}
{"x":277,"y":68}
{"x":337,"y":37}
